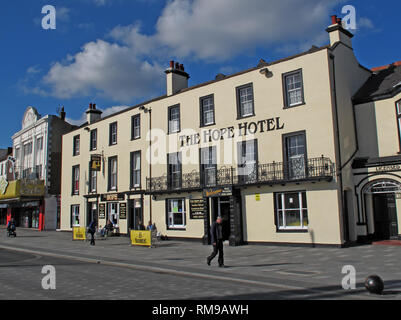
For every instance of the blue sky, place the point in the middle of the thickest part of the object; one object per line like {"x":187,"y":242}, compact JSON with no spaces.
{"x":113,"y":52}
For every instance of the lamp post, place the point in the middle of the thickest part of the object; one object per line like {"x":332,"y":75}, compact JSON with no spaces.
{"x":149,"y":110}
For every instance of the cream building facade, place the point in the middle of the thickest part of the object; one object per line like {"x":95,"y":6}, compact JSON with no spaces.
{"x":271,"y":150}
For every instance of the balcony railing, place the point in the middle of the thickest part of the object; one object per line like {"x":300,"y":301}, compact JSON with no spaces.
{"x":294,"y":170}
{"x":35,"y":173}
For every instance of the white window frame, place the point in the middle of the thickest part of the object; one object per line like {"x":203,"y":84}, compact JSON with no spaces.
{"x":171,"y":225}
{"x":280,"y":197}
{"x":93,"y":181}
{"x":207,"y":105}
{"x":136,"y":127}
{"x":244,"y":95}
{"x":294,"y":86}
{"x":174,"y":122}
{"x":113,"y":171}
{"x":93,"y":140}
{"x":136,"y":169}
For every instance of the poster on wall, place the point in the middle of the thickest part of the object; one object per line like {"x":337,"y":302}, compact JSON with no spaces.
{"x":197,"y":208}
{"x":102,"y":211}
{"x":123,"y":211}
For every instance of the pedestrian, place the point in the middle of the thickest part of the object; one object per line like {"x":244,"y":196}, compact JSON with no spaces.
{"x":150,"y":226}
{"x":141,"y":226}
{"x":92,"y":231}
{"x":216,"y":233}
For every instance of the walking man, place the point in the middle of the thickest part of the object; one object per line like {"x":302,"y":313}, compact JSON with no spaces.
{"x":216,"y":233}
{"x":92,"y":231}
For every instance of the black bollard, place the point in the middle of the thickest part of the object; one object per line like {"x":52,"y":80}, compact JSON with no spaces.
{"x":374,"y":284}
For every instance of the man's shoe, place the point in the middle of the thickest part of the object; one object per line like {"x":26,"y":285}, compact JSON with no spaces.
{"x":208,"y":261}
{"x":221,"y":265}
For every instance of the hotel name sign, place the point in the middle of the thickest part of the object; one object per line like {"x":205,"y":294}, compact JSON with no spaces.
{"x":244,"y":129}
{"x":395,"y":167}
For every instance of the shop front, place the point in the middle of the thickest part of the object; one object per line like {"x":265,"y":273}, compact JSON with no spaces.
{"x":23,"y":201}
{"x":378,"y":191}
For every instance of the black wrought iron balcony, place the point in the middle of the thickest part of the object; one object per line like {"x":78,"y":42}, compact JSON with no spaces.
{"x":295,"y":170}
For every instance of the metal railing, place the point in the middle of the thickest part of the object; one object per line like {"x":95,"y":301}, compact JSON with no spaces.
{"x":297,"y":169}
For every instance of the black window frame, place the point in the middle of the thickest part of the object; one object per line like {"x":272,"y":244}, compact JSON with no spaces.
{"x":133,"y":118}
{"x":201,"y":111}
{"x":109,"y":160}
{"x":74,"y":190}
{"x":169,"y":116}
{"x":111,"y":133}
{"x":239,"y":111}
{"x":169,"y":171}
{"x":91,"y":144}
{"x":72,"y":224}
{"x":132,"y":171}
{"x":90,"y":185}
{"x":76,"y":152}
{"x":285,"y":88}
{"x":285,"y":152}
{"x":203,"y":166}
{"x":243,"y":178}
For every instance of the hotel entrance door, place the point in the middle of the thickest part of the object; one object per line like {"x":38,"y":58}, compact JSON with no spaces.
{"x":221,"y":208}
{"x":385,"y":215}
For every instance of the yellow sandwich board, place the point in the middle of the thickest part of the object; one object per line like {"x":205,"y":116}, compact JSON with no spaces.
{"x":141,"y":238}
{"x":78,"y":233}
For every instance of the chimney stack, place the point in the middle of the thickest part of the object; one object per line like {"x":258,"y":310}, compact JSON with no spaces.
{"x":337,"y":32}
{"x":177,"y":78}
{"x":93,"y":114}
{"x":62,"y":114}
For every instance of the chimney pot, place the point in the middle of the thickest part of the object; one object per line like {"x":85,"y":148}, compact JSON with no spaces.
{"x":172,"y":64}
{"x":182,"y":67}
{"x":94,"y":106}
{"x":177,"y":65}
{"x":339,"y":20}
{"x":333,"y":19}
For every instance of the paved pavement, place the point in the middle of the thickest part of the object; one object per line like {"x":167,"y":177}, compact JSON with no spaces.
{"x":177,"y":270}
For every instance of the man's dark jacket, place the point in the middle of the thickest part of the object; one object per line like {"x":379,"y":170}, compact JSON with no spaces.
{"x":216,"y":232}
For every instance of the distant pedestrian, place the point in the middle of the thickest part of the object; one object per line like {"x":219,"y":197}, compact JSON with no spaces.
{"x":216,"y":233}
{"x":92,"y":231}
{"x":150,"y":226}
{"x":141,"y":226}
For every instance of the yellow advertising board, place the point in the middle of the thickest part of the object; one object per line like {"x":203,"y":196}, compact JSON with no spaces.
{"x":141,"y":238}
{"x":21,"y":188}
{"x":79,"y":233}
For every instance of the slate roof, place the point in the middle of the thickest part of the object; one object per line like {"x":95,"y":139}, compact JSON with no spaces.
{"x":384,"y":83}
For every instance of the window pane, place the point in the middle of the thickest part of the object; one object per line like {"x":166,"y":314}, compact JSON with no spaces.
{"x":291,"y":201}
{"x":292,"y":218}
{"x":305,"y":218}
{"x":178,"y":219}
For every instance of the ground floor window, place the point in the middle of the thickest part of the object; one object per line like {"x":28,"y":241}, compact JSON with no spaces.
{"x":292,"y":211}
{"x":74,"y":215}
{"x":176,"y":213}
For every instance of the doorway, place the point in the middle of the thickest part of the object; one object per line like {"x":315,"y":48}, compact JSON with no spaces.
{"x":135,"y":214}
{"x":385,"y":216}
{"x":221,"y":208}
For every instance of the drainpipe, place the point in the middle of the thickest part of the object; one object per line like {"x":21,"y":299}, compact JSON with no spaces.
{"x":340,"y":166}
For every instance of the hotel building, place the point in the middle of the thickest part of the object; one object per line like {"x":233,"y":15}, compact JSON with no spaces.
{"x":279,"y":151}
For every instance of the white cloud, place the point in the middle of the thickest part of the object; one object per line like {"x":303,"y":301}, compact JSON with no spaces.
{"x":219,"y":30}
{"x":364,"y":22}
{"x":129,"y":64}
{"x":110,"y":70}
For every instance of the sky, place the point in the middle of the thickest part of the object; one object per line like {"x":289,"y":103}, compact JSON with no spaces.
{"x":114,"y":52}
